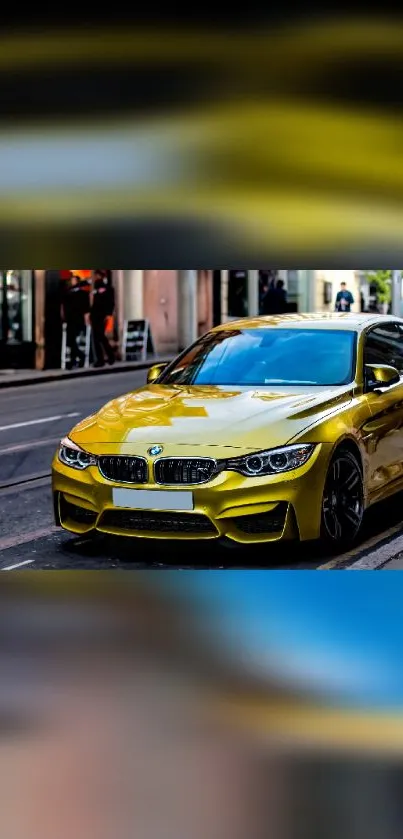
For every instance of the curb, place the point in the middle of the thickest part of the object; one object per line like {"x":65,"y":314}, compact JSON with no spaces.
{"x":61,"y":376}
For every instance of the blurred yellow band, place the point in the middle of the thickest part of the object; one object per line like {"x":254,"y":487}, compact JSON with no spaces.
{"x":306,"y":222}
{"x":301,"y":45}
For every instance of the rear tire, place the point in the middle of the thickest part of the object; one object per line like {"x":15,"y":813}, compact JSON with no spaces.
{"x":342,"y":502}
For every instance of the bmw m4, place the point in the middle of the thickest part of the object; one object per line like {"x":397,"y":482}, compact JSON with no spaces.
{"x":265,"y":429}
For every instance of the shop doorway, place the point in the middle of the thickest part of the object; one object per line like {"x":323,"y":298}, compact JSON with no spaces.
{"x":217,"y":306}
{"x":237,"y":294}
{"x":55,"y":287}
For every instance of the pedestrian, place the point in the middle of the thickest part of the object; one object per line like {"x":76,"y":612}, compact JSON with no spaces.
{"x":103,"y":307}
{"x":275,"y":300}
{"x":75,"y":314}
{"x":344,"y":299}
{"x":263,"y":289}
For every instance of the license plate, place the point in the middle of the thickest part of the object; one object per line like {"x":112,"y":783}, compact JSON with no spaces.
{"x":143,"y":499}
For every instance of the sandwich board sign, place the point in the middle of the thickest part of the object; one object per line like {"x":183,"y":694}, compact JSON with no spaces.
{"x":138,"y":341}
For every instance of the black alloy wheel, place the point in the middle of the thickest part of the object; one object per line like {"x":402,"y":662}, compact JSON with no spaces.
{"x":343,"y":501}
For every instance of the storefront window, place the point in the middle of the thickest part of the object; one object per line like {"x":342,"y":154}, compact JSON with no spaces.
{"x":237,"y":294}
{"x":294,"y":291}
{"x":16,"y":306}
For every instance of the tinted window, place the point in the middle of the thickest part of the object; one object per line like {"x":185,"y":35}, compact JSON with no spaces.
{"x":384,"y":345}
{"x":259,"y":357}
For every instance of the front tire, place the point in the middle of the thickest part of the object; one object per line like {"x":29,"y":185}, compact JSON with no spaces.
{"x":342,"y":502}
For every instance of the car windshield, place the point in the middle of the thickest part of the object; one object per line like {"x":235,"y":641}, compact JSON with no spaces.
{"x":267,"y":356}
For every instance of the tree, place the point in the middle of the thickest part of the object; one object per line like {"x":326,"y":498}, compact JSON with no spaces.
{"x":382,"y":280}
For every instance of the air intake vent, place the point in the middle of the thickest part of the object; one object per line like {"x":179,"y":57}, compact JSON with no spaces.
{"x":141,"y":520}
{"x":124,"y":470}
{"x":178,"y":471}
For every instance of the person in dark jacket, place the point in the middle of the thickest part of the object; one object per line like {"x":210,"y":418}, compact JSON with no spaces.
{"x":75,"y":312}
{"x":103,"y":306}
{"x":344,"y":299}
{"x":275,"y":300}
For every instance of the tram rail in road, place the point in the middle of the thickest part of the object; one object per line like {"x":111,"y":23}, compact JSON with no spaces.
{"x":27,"y":480}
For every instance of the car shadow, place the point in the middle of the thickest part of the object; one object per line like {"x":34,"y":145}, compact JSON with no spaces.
{"x":140,"y":553}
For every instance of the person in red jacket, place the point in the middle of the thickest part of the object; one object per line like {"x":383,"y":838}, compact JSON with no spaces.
{"x":103,"y":306}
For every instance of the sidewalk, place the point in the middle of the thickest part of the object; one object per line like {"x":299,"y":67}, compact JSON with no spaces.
{"x":23,"y":378}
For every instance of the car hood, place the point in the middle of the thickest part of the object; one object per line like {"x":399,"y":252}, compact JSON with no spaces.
{"x":223,"y":417}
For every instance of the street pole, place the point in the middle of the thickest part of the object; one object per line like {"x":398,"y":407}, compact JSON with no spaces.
{"x":397,"y":293}
{"x":39,"y":292}
{"x":312,"y":281}
{"x":253,"y":293}
{"x":4,"y":308}
{"x":133,"y":294}
{"x":187,"y":308}
{"x":224,"y":295}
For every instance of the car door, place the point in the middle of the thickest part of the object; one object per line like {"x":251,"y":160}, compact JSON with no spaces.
{"x":383,"y":433}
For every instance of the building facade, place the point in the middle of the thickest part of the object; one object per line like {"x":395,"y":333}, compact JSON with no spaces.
{"x":328,"y":284}
{"x":179,"y":305}
{"x":239,"y":293}
{"x":30,"y":311}
{"x":30,"y":317}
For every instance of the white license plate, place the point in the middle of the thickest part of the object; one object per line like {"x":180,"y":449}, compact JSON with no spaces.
{"x":152,"y":499}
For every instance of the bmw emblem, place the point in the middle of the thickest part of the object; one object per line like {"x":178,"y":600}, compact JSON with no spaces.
{"x":155,"y":450}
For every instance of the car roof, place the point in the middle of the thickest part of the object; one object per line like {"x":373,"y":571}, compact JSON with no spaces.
{"x":320,"y":320}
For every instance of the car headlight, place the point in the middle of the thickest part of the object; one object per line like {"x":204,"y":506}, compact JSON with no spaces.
{"x":71,"y":455}
{"x":271,"y":462}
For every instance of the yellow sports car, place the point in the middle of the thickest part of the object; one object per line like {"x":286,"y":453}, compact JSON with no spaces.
{"x":266,"y":429}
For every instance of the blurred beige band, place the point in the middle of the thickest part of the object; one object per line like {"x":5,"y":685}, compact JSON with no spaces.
{"x":315,"y":727}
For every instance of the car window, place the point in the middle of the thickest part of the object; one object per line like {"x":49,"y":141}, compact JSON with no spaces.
{"x":267,"y":356}
{"x":384,"y":345}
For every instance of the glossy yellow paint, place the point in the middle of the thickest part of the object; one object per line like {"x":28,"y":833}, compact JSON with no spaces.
{"x":224,"y":422}
{"x":154,"y":373}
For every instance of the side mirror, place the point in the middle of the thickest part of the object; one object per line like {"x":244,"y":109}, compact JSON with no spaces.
{"x":380,"y":377}
{"x":155,"y":372}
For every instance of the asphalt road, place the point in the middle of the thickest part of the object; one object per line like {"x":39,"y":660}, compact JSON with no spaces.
{"x":34,"y":419}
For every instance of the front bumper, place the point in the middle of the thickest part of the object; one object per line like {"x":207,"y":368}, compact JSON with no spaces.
{"x":243,"y":510}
